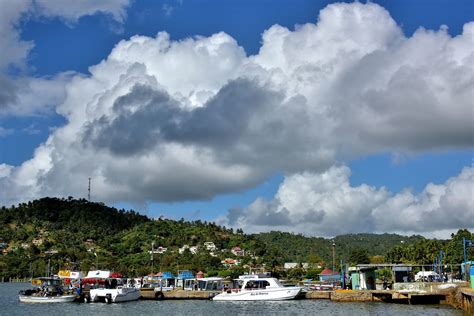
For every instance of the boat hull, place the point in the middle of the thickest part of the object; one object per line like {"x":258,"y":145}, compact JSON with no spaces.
{"x":46,"y":299}
{"x":115,"y":295}
{"x":278,"y":294}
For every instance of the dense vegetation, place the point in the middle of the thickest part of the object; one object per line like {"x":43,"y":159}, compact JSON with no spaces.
{"x":77,"y":234}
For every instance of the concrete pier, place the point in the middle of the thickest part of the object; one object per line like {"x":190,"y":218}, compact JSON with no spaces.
{"x":467,"y":302}
{"x":317,"y":295}
{"x":177,"y":294}
{"x":460,"y":297}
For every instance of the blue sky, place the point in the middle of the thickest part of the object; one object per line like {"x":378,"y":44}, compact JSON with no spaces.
{"x":62,"y":44}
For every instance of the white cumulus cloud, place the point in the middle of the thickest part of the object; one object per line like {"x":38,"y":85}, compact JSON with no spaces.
{"x":163,"y":120}
{"x":325,"y":204}
{"x":23,"y":94}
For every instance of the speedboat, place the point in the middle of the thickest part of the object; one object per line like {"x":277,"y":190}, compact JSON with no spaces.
{"x":47,"y":290}
{"x":255,"y":288}
{"x":109,"y":288}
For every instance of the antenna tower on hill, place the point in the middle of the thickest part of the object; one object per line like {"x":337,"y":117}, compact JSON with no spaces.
{"x":89,"y":191}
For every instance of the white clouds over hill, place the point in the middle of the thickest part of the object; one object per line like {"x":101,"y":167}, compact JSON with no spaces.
{"x":177,"y":120}
{"x":325,"y":204}
{"x":25,"y":95}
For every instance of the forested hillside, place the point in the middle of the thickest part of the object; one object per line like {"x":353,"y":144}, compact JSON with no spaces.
{"x":297,"y":247}
{"x":77,"y":234}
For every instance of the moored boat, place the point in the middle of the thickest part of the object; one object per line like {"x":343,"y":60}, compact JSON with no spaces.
{"x":109,"y":288}
{"x":47,"y":299}
{"x":254,"y":288}
{"x":47,"y":290}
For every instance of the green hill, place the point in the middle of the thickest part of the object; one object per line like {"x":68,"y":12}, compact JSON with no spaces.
{"x":77,"y":234}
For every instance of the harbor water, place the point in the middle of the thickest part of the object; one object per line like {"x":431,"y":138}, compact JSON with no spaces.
{"x":9,"y":305}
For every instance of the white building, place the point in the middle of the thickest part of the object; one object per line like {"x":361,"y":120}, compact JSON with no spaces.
{"x":210,"y":245}
{"x":238,"y":251}
{"x":159,"y":250}
{"x":292,"y":265}
{"x":182,"y":249}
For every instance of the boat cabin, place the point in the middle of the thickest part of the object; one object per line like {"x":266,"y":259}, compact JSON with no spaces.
{"x":256,"y":283}
{"x":210,"y":284}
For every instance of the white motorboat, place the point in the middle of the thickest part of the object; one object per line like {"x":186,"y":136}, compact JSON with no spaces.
{"x":109,"y":288}
{"x":259,"y":289}
{"x":47,"y":290}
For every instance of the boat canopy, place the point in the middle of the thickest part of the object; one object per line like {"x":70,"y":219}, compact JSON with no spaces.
{"x":98,"y":274}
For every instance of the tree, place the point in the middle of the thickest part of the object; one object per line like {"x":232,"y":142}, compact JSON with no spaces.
{"x":377,"y":259}
{"x":296,"y":273}
{"x":358,"y":256}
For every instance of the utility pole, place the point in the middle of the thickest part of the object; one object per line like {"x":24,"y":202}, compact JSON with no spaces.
{"x":89,"y":191}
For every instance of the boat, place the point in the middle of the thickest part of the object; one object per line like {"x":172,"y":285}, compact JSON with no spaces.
{"x":46,"y":299}
{"x":255,"y":288}
{"x":47,"y":290}
{"x":109,"y":288}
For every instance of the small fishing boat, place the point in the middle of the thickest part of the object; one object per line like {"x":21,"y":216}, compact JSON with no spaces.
{"x":254,"y":288}
{"x":46,"y":299}
{"x":47,"y":290}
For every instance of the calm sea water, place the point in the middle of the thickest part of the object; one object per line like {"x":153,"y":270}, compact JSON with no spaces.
{"x":9,"y":305}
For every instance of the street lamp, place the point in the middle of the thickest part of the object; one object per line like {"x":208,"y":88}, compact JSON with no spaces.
{"x":333,"y":256}
{"x":152,"y":258}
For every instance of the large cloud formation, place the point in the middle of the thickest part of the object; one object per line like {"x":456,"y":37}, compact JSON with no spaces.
{"x":163,"y":120}
{"x":325,"y":204}
{"x":22,"y":94}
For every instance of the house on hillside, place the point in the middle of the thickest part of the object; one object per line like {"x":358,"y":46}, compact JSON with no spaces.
{"x":238,"y":251}
{"x":159,"y":250}
{"x":210,"y":246}
{"x":292,"y":265}
{"x":182,"y":249}
{"x":37,"y":241}
{"x":229,"y":262}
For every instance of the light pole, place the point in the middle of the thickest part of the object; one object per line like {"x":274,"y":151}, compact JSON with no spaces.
{"x":333,"y":256}
{"x":469,"y":244}
{"x":152,"y":258}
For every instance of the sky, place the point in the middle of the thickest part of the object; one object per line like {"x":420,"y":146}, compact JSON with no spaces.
{"x":313,"y":117}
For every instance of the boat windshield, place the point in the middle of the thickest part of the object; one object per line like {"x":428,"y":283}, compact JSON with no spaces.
{"x":278,"y":283}
{"x":256,"y":284}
